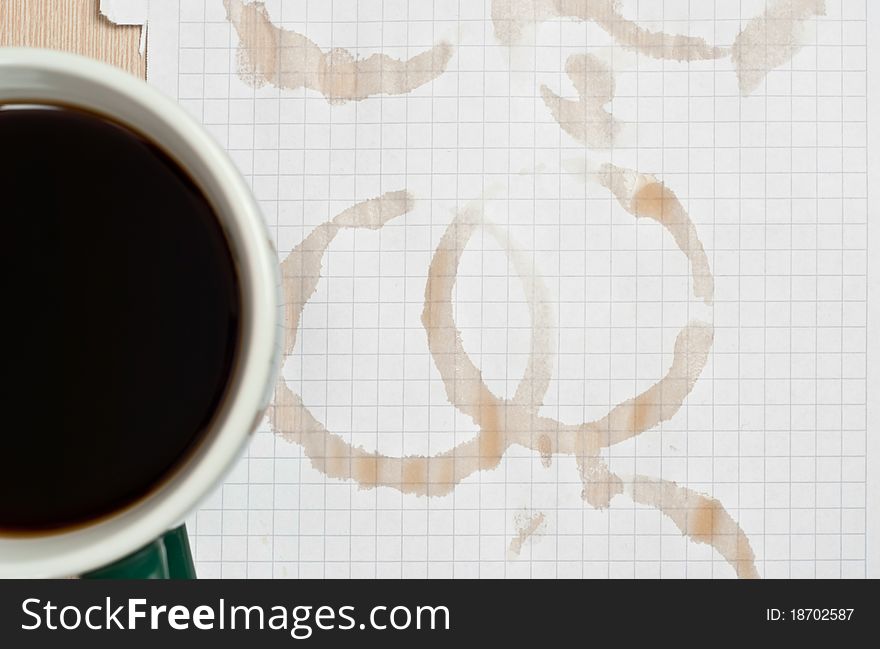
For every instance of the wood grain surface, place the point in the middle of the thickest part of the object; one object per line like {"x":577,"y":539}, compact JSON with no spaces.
{"x":74,"y":26}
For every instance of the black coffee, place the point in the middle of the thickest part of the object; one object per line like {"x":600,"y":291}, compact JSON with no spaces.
{"x":120,"y":317}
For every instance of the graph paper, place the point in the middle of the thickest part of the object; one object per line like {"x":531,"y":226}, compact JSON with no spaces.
{"x":761,"y":278}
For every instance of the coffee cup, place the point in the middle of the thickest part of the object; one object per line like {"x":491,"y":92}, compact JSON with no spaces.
{"x":143,"y":530}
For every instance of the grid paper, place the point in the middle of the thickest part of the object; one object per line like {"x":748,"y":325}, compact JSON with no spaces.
{"x":776,"y":184}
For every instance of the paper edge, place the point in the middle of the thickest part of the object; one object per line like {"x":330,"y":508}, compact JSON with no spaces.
{"x":125,"y":12}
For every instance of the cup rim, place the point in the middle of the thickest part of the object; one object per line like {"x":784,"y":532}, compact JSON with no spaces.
{"x":44,"y":76}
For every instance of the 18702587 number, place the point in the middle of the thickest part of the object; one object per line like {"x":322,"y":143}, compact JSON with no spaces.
{"x":810,"y":614}
{"x":821,"y":614}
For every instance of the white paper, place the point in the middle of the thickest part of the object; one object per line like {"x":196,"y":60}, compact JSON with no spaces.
{"x":128,"y":12}
{"x":125,"y":12}
{"x":776,"y":182}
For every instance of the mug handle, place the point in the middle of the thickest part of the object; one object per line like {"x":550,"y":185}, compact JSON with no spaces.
{"x":168,"y":557}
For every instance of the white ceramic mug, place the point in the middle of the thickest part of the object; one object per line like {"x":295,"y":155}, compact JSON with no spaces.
{"x":30,"y":76}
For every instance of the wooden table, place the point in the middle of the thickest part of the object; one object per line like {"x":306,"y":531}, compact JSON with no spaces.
{"x":72,"y":25}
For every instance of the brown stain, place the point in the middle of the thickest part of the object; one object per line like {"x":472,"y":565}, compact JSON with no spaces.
{"x":415,"y":472}
{"x":699,"y":517}
{"x":492,"y":443}
{"x":301,"y":270}
{"x":771,"y":40}
{"x":768,"y":41}
{"x":643,"y":196}
{"x":522,"y":425}
{"x":298,"y":282}
{"x":662,"y":400}
{"x":462,"y":380}
{"x":527,"y":527}
{"x":334,"y":457}
{"x":289,"y":60}
{"x":501,"y":422}
{"x":600,"y":485}
{"x":329,"y":453}
{"x":545,"y":449}
{"x":586,"y":119}
{"x":511,"y":18}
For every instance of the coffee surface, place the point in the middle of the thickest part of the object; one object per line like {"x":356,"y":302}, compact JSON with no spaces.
{"x":120,"y":317}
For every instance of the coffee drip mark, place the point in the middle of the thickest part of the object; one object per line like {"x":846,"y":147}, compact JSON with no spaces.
{"x":586,"y":119}
{"x":528,"y":527}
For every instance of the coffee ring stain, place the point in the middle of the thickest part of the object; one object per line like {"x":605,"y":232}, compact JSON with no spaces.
{"x":502,"y":422}
{"x":768,"y":41}
{"x":286,"y":59}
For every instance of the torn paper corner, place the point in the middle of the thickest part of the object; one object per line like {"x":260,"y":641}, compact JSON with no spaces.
{"x":128,"y":12}
{"x":125,"y":12}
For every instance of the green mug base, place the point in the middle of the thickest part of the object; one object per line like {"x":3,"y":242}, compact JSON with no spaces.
{"x":168,"y":557}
